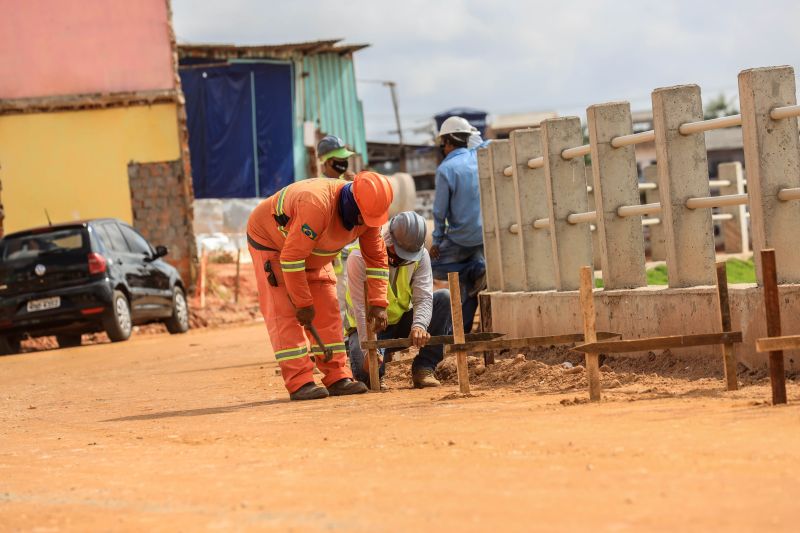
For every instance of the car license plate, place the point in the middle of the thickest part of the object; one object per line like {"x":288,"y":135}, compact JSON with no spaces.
{"x":44,"y":304}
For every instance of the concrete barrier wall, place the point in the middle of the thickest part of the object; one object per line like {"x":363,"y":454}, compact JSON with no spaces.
{"x":681,"y":208}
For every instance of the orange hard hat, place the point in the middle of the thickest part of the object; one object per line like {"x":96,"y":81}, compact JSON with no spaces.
{"x":373,"y":194}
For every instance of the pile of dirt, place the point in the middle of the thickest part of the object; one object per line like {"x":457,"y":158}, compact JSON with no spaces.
{"x":522,"y":372}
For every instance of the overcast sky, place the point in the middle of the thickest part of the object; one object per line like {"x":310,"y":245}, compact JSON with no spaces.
{"x":516,"y":56}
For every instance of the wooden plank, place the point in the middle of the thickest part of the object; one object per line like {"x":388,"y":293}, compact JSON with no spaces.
{"x":772,"y":305}
{"x":590,"y":332}
{"x":728,"y":357}
{"x":773,"y":344}
{"x":436,"y":340}
{"x":527,"y":342}
{"x":661,"y":343}
{"x":458,"y":332}
{"x":485,"y":304}
{"x":372,"y":361}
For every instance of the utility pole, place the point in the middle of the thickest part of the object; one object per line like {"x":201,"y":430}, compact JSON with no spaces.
{"x":401,"y":145}
{"x":402,"y":148}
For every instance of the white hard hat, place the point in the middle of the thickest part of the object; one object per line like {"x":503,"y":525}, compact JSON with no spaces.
{"x":455,"y":125}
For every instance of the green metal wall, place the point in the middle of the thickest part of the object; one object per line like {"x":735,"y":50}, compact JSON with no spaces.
{"x":331,"y":99}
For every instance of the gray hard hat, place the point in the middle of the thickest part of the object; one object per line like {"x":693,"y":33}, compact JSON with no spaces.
{"x":408,"y":230}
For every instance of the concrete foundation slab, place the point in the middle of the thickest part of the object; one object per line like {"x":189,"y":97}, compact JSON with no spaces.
{"x":650,"y":312}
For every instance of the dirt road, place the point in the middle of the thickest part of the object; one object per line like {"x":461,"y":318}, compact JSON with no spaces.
{"x":195,"y":432}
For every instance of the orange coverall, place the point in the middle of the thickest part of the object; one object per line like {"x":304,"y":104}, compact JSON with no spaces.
{"x":302,"y":249}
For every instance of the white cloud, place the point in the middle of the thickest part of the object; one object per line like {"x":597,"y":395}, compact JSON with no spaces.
{"x":508,"y":56}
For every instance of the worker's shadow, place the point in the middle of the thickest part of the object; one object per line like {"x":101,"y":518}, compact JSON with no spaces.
{"x":198,"y":412}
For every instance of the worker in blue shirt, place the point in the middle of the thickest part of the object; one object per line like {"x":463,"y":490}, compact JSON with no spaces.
{"x":458,"y":229}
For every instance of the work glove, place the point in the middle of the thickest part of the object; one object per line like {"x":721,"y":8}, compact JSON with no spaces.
{"x":434,"y":251}
{"x":305,"y":315}
{"x":378,"y":317}
{"x":419,"y":336}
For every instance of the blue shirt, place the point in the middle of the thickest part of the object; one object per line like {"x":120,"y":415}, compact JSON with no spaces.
{"x":457,"y":205}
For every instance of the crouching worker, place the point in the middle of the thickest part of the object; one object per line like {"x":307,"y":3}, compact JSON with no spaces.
{"x":293,"y":236}
{"x":414,"y":311}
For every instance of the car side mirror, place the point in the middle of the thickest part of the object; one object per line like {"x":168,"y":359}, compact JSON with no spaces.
{"x":161,"y":251}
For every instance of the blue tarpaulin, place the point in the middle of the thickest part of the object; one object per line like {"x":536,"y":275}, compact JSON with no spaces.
{"x":239,"y":118}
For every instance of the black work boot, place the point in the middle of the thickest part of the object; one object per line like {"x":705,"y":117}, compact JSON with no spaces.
{"x":309,"y":391}
{"x":346,"y":386}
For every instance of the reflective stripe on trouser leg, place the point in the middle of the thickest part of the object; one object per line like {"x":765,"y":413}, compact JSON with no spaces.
{"x":285,"y":333}
{"x":328,"y":322}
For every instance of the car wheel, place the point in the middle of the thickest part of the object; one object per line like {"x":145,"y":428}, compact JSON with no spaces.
{"x":179,"y":321}
{"x":10,"y":345}
{"x":118,"y":323}
{"x":68,"y":341}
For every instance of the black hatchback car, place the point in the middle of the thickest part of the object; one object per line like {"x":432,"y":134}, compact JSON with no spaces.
{"x":83,"y":277}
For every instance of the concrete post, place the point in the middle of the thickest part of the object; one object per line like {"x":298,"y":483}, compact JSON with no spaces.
{"x":592,"y":207}
{"x":512,"y":256}
{"x":658,"y":247}
{"x":566,"y":194}
{"x":734,"y":231}
{"x":532,"y":205}
{"x":683,"y":174}
{"x":616,"y":183}
{"x":491,"y":246}
{"x":772,"y":158}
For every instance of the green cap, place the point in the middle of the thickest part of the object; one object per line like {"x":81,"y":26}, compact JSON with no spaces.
{"x":339,"y":153}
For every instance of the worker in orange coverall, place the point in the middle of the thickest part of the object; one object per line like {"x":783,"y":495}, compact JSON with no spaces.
{"x":293,"y":236}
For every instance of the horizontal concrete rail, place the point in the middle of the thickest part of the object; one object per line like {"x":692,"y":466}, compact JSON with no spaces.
{"x":582,"y":218}
{"x":704,"y":202}
{"x":533,"y":163}
{"x":789,"y":194}
{"x":710,"y":124}
{"x":634,"y":138}
{"x":639,"y":210}
{"x":542,"y":223}
{"x":651,"y":221}
{"x":513,"y":228}
{"x":719,"y":217}
{"x":578,"y":151}
{"x":788,"y":111}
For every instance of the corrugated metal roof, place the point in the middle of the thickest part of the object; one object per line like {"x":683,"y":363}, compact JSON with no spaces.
{"x":266,"y":51}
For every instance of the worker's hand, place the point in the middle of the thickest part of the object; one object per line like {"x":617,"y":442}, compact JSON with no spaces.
{"x":349,"y":175}
{"x":419,"y":336}
{"x":305,"y":315}
{"x":378,"y":317}
{"x":434,"y":251}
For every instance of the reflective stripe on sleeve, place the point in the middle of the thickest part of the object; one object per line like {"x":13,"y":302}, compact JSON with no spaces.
{"x":293,"y":266}
{"x":378,"y":273}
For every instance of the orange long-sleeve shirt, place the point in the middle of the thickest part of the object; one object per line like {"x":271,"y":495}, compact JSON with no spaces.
{"x":314,"y":235}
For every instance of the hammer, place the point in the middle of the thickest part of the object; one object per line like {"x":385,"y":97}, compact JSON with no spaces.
{"x":327,"y":351}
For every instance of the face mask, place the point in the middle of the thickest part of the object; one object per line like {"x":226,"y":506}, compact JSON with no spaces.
{"x":339,"y":165}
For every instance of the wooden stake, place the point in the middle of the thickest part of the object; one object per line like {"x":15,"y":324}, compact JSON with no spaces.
{"x":485,"y":304}
{"x":590,"y":332}
{"x":373,"y":366}
{"x":238,"y":268}
{"x":728,"y":357}
{"x":203,"y":276}
{"x":458,"y":331}
{"x":772,"y":305}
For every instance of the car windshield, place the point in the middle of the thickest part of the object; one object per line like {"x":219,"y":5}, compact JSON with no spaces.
{"x":32,"y":246}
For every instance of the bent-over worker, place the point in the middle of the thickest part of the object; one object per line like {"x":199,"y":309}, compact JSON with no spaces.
{"x":293,"y":235}
{"x":415,"y":310}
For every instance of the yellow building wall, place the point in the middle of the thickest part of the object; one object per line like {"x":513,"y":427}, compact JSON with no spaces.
{"x":75,"y":164}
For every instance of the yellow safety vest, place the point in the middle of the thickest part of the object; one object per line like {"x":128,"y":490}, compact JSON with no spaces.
{"x":399,"y":293}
